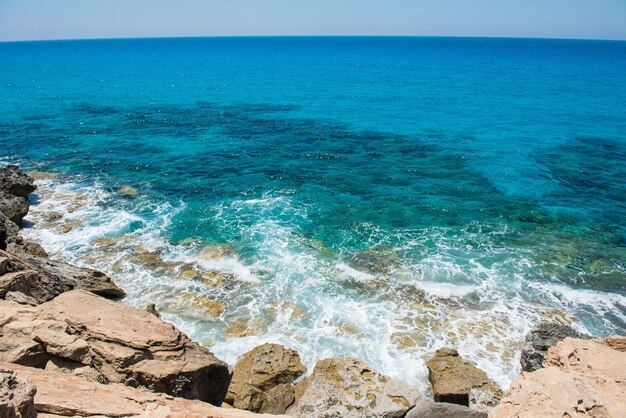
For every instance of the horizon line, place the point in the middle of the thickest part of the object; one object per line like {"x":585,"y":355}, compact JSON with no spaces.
{"x":305,"y":36}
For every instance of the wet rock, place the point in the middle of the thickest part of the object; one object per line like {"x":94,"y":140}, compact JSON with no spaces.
{"x":242,"y":329}
{"x":285,"y":309}
{"x":209,"y":306}
{"x":15,"y":182}
{"x":128,"y":190}
{"x":14,"y":208}
{"x":581,"y":377}
{"x":16,"y":396}
{"x":216,"y":251}
{"x":351,"y":388}
{"x":374,"y":261}
{"x":8,"y":230}
{"x":60,"y":394}
{"x":263,"y":379}
{"x":539,"y":340}
{"x":42,"y":175}
{"x":453,"y":378}
{"x":56,"y":277}
{"x":120,"y":343}
{"x":430,"y":409}
{"x":151,"y":308}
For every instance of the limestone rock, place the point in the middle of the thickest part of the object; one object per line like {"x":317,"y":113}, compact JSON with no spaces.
{"x":25,"y":246}
{"x":151,"y":308}
{"x":263,"y":379}
{"x":61,"y":394}
{"x":120,"y":343}
{"x":350,"y":388}
{"x":8,"y":230}
{"x":16,"y":396}
{"x":430,"y":409}
{"x":580,"y":378}
{"x":543,"y":336}
{"x":44,"y":279}
{"x":452,"y":378}
{"x":14,"y":181}
{"x":13,"y":207}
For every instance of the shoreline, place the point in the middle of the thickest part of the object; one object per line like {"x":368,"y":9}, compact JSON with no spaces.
{"x":43,"y":287}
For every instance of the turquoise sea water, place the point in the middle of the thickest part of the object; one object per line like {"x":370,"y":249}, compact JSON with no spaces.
{"x":377,"y":197}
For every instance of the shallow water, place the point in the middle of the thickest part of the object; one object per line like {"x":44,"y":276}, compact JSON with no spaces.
{"x":376,"y":197}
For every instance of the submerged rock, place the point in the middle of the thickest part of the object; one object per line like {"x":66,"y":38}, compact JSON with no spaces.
{"x":15,"y":182}
{"x":374,"y":261}
{"x":128,"y":190}
{"x":119,"y":343}
{"x":16,"y":396}
{"x":242,"y":329}
{"x":263,"y":379}
{"x":350,"y":388}
{"x":582,"y":378}
{"x":453,"y":378}
{"x":539,"y":340}
{"x":42,"y":175}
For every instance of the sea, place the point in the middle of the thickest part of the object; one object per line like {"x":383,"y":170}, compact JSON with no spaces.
{"x":371,"y":197}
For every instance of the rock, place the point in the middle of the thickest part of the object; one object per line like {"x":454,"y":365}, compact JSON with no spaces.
{"x":4,"y":264}
{"x":68,"y":277}
{"x":8,"y":230}
{"x":452,"y":378}
{"x":120,"y":343}
{"x":374,"y":261}
{"x":128,"y":191}
{"x":14,"y":181}
{"x":350,"y":388}
{"x":16,"y":396}
{"x":216,"y":251}
{"x":151,"y":308}
{"x":61,"y":394}
{"x":543,"y":336}
{"x":13,"y":207}
{"x":242,"y":329}
{"x":25,"y":246}
{"x":430,"y":409}
{"x":42,"y":175}
{"x":580,"y":378}
{"x":263,"y":379}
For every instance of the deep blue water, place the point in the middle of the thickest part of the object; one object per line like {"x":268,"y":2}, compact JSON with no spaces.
{"x":405,"y":193}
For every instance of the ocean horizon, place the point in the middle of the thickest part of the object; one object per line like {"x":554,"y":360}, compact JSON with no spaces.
{"x":377,"y":197}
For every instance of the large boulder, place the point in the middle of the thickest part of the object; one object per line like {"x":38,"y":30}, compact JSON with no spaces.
{"x":119,"y":343}
{"x":351,"y":388}
{"x":458,"y":381}
{"x":543,"y":336}
{"x":16,"y":396}
{"x":263,"y":379}
{"x":13,"y":207}
{"x":580,"y":378}
{"x":8,"y":230}
{"x":44,"y":279}
{"x":66,"y":395}
{"x":430,"y":409}
{"x":14,"y":181}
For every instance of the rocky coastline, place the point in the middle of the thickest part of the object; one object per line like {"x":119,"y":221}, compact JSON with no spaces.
{"x":69,"y":348}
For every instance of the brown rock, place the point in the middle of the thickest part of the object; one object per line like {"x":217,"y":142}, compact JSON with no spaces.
{"x":350,"y":388}
{"x":151,"y":308}
{"x":14,"y":181}
{"x":16,"y":396}
{"x":120,"y":343}
{"x":61,"y":394}
{"x":453,"y":378}
{"x":580,"y":378}
{"x":263,"y":379}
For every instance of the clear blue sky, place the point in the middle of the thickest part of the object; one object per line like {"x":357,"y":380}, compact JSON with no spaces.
{"x":65,"y":19}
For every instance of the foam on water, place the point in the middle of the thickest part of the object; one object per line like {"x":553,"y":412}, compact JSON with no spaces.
{"x":295,"y":291}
